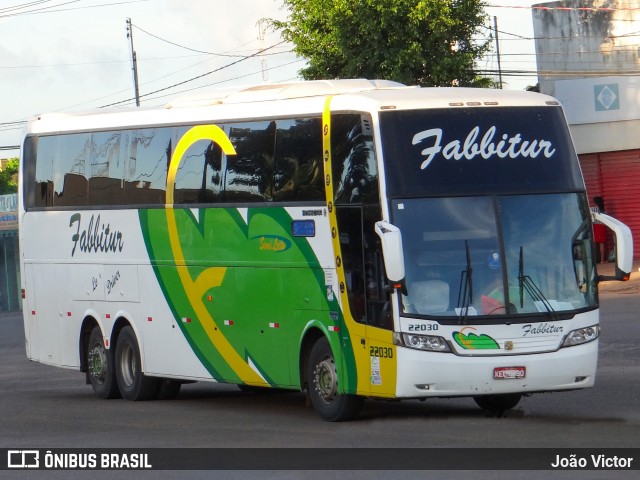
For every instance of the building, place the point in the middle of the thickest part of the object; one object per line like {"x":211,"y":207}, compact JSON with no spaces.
{"x":10,"y":294}
{"x":588,"y":56}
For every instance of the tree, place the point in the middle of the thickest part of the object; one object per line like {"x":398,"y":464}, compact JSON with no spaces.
{"x":8,"y":183}
{"x":423,"y":42}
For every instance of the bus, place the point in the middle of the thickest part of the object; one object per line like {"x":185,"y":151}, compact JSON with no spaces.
{"x":350,"y":239}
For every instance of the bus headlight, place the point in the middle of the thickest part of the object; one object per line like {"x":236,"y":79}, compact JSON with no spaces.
{"x":422,"y":342}
{"x":581,"y":335}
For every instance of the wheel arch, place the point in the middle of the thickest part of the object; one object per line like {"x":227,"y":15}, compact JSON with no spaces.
{"x":88,"y":324}
{"x":309,"y":339}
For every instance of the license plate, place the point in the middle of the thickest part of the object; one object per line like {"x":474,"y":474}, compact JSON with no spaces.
{"x":509,"y":373}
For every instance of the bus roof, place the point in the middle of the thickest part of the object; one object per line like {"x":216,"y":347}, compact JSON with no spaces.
{"x":297,"y":98}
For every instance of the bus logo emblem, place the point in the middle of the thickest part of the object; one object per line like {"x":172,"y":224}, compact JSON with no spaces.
{"x":273,"y":243}
{"x":472,"y":341}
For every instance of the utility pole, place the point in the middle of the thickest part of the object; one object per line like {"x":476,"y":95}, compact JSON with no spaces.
{"x":134,"y":63}
{"x":262,"y":26}
{"x":495,"y":27}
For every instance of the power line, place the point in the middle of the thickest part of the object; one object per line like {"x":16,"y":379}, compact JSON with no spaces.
{"x":215,"y":54}
{"x":182,"y":46}
{"x":46,"y":9}
{"x":23,"y":5}
{"x":575,"y":9}
{"x":105,"y":62}
{"x":572,"y":39}
{"x":150,"y":81}
{"x":227,"y":80}
{"x":561,"y":73}
{"x":259,"y":52}
{"x":39,"y":10}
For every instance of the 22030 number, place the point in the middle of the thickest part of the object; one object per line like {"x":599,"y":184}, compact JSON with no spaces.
{"x":382,"y":352}
{"x":423,"y":327}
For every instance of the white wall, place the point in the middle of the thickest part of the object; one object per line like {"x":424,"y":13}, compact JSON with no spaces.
{"x":589,"y":60}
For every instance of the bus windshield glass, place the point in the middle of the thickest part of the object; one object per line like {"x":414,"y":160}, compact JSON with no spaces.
{"x":506,"y":255}
{"x":491,"y":205}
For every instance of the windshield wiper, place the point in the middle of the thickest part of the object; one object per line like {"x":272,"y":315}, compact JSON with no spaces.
{"x":465,"y":290}
{"x":525,"y":283}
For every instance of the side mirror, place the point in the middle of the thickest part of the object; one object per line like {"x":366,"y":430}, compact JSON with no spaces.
{"x":391,"y":239}
{"x":624,"y":245}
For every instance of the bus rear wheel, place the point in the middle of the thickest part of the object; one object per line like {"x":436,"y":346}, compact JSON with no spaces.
{"x":323,"y":386}
{"x":498,"y":403}
{"x":100,"y":366}
{"x":133,"y":384}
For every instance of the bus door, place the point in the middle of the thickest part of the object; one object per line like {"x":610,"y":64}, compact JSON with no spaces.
{"x":369,"y":300}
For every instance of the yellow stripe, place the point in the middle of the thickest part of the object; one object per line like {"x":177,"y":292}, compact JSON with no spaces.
{"x":211,"y":277}
{"x":357,"y":330}
{"x":200,"y":132}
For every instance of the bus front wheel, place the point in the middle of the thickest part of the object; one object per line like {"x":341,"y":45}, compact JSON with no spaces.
{"x":323,"y":386}
{"x":133,"y":384}
{"x":101,"y":367}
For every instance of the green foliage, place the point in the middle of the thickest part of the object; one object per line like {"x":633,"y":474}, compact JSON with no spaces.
{"x":417,"y":42}
{"x":8,"y":175}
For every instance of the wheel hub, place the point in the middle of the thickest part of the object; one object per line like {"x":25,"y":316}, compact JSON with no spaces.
{"x":128,"y":365}
{"x":326,"y":380}
{"x":98,"y":363}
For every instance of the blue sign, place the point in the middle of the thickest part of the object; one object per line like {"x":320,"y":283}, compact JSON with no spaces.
{"x":303,"y":228}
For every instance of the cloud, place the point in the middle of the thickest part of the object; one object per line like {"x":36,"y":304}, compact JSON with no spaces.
{"x":81,"y":58}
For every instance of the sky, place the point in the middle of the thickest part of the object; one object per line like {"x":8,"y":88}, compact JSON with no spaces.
{"x":69,"y":55}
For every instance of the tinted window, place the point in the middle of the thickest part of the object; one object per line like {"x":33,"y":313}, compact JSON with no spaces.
{"x":148,"y":154}
{"x":46,"y":151}
{"x":106,"y":169}
{"x":70,"y":182}
{"x":355,"y":174}
{"x":496,"y":255}
{"x":477,"y":150}
{"x":298,"y":160}
{"x":277,"y":160}
{"x":199,"y":177}
{"x":249,"y":172}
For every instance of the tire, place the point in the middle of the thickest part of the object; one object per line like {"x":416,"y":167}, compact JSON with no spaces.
{"x":498,"y":403}
{"x":322,"y":379}
{"x":101,"y":367}
{"x":133,"y":384}
{"x":168,"y":389}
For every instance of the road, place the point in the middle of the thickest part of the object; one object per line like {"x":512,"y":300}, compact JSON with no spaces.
{"x":46,"y":407}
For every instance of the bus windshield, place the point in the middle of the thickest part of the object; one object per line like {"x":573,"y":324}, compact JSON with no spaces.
{"x":496,"y":255}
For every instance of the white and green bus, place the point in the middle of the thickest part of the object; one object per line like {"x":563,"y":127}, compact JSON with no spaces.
{"x":355,"y":239}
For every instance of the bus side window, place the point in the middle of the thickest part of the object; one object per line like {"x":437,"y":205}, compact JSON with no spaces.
{"x":199,"y":177}
{"x":355,"y":174}
{"x":298,"y":171}
{"x":378,"y":301}
{"x":70,"y":182}
{"x":350,"y":227}
{"x":41,"y":164}
{"x":147,"y":156}
{"x":249,"y":173}
{"x":362,"y":263}
{"x":106,"y":169}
